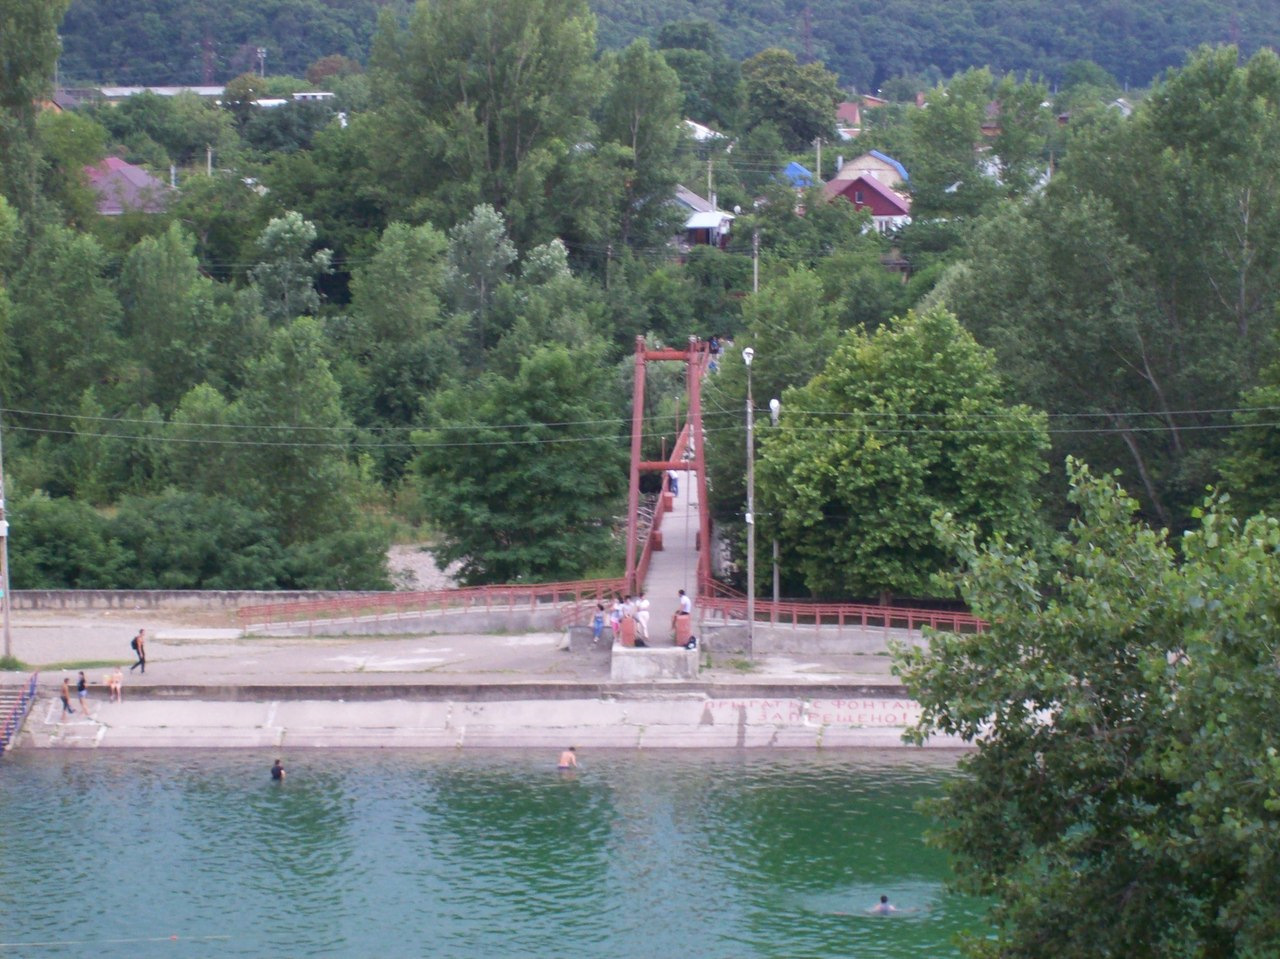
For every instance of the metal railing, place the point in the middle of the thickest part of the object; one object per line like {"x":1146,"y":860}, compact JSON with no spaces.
{"x":725,"y":603}
{"x":462,"y":599}
{"x":17,"y":713}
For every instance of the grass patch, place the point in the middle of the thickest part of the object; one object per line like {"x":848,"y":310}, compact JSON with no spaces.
{"x":84,"y":664}
{"x":13,"y":664}
{"x":742,"y":665}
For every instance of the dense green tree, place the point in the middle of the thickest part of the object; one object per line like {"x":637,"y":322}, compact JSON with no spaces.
{"x":58,"y":543}
{"x":28,"y":53}
{"x":948,"y":178}
{"x":710,"y":81}
{"x":1121,"y":791}
{"x":171,"y":318}
{"x":1145,"y":309}
{"x":793,"y":328}
{"x":291,"y":458}
{"x":65,"y":322}
{"x":287,"y":267}
{"x":800,"y":101}
{"x":641,"y":112}
{"x":1249,"y":466}
{"x":400,"y":342}
{"x":69,"y":142}
{"x":180,"y":540}
{"x":480,"y":256}
{"x":899,"y":425}
{"x":482,"y":102}
{"x":522,"y":477}
{"x":225,"y":216}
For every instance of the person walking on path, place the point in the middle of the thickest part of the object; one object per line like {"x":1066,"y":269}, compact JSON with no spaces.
{"x":139,"y":646}
{"x":597,"y":623}
{"x":82,"y":691}
{"x":66,"y":698}
{"x":642,"y":618}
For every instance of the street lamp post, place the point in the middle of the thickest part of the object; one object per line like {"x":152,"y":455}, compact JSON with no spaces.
{"x":747,"y":356}
{"x":775,"y":407}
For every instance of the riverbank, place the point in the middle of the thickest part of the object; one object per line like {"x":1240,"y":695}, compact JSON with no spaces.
{"x":208,"y":685}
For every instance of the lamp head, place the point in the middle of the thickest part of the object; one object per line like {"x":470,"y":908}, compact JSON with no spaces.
{"x":748,"y":355}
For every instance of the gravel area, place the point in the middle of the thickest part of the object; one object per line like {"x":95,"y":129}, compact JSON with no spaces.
{"x":414,"y":567}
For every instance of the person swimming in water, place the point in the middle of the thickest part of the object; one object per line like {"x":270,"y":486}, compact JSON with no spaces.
{"x":277,"y":771}
{"x":569,"y":758}
{"x":883,"y":907}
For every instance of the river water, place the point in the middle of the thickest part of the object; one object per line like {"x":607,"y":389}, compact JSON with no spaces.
{"x":472,"y":854}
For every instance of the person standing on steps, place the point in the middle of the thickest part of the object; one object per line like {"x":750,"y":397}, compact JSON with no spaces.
{"x":82,"y":692}
{"x":597,"y":623}
{"x":139,"y":646}
{"x":642,"y":618}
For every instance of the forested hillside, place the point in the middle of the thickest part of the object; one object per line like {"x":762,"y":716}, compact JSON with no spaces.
{"x":865,"y":42}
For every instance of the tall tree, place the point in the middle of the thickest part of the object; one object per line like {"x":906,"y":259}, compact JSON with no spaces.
{"x":1152,"y":267}
{"x":28,"y":52}
{"x":641,"y":111}
{"x":170,"y":317}
{"x":898,"y":426}
{"x":287,"y":268}
{"x":480,"y":101}
{"x":292,"y":454}
{"x":66,"y":322}
{"x":799,"y":101}
{"x":522,"y":477}
{"x":480,"y":255}
{"x":1120,"y":797}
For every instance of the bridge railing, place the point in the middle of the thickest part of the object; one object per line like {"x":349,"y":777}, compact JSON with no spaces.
{"x":377,"y":605}
{"x":17,"y":712}
{"x":720,"y":601}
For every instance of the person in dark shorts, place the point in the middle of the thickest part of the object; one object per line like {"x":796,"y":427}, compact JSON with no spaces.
{"x":66,"y":698}
{"x":139,"y":646}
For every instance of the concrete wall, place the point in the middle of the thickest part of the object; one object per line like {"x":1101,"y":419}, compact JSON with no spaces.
{"x":671,"y":720}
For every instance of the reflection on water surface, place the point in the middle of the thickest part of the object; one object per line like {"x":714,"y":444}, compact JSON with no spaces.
{"x":472,"y":854}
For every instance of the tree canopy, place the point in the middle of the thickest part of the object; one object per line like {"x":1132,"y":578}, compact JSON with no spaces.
{"x":1121,"y":796}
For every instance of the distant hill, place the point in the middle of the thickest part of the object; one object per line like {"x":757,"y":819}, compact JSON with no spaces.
{"x":865,"y":41}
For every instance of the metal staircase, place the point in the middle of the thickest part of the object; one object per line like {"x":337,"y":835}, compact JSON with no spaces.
{"x":15,"y":703}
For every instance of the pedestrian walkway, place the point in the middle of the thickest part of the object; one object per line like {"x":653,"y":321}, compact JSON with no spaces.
{"x":675,"y":566}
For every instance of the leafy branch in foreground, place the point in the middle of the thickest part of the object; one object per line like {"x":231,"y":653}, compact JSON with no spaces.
{"x":1123,"y":798}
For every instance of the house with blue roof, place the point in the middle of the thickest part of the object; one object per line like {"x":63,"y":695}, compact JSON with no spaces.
{"x":878,"y":165}
{"x":798,"y":176}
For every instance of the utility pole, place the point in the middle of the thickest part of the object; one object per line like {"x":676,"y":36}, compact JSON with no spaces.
{"x":747,"y":356}
{"x":4,"y":555}
{"x":755,"y":261}
{"x":817,"y":142}
{"x":262,"y":61}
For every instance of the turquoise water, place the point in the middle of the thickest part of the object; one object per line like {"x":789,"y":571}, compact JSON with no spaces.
{"x":475,"y":854}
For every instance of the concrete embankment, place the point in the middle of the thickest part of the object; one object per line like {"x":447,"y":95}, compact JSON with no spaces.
{"x":215,"y":687}
{"x":541,"y":715}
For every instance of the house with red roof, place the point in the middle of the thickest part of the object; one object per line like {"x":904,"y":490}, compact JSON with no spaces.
{"x":124,"y":188}
{"x":889,"y":209}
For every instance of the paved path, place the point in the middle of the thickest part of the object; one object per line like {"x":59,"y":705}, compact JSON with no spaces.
{"x":675,"y":566}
